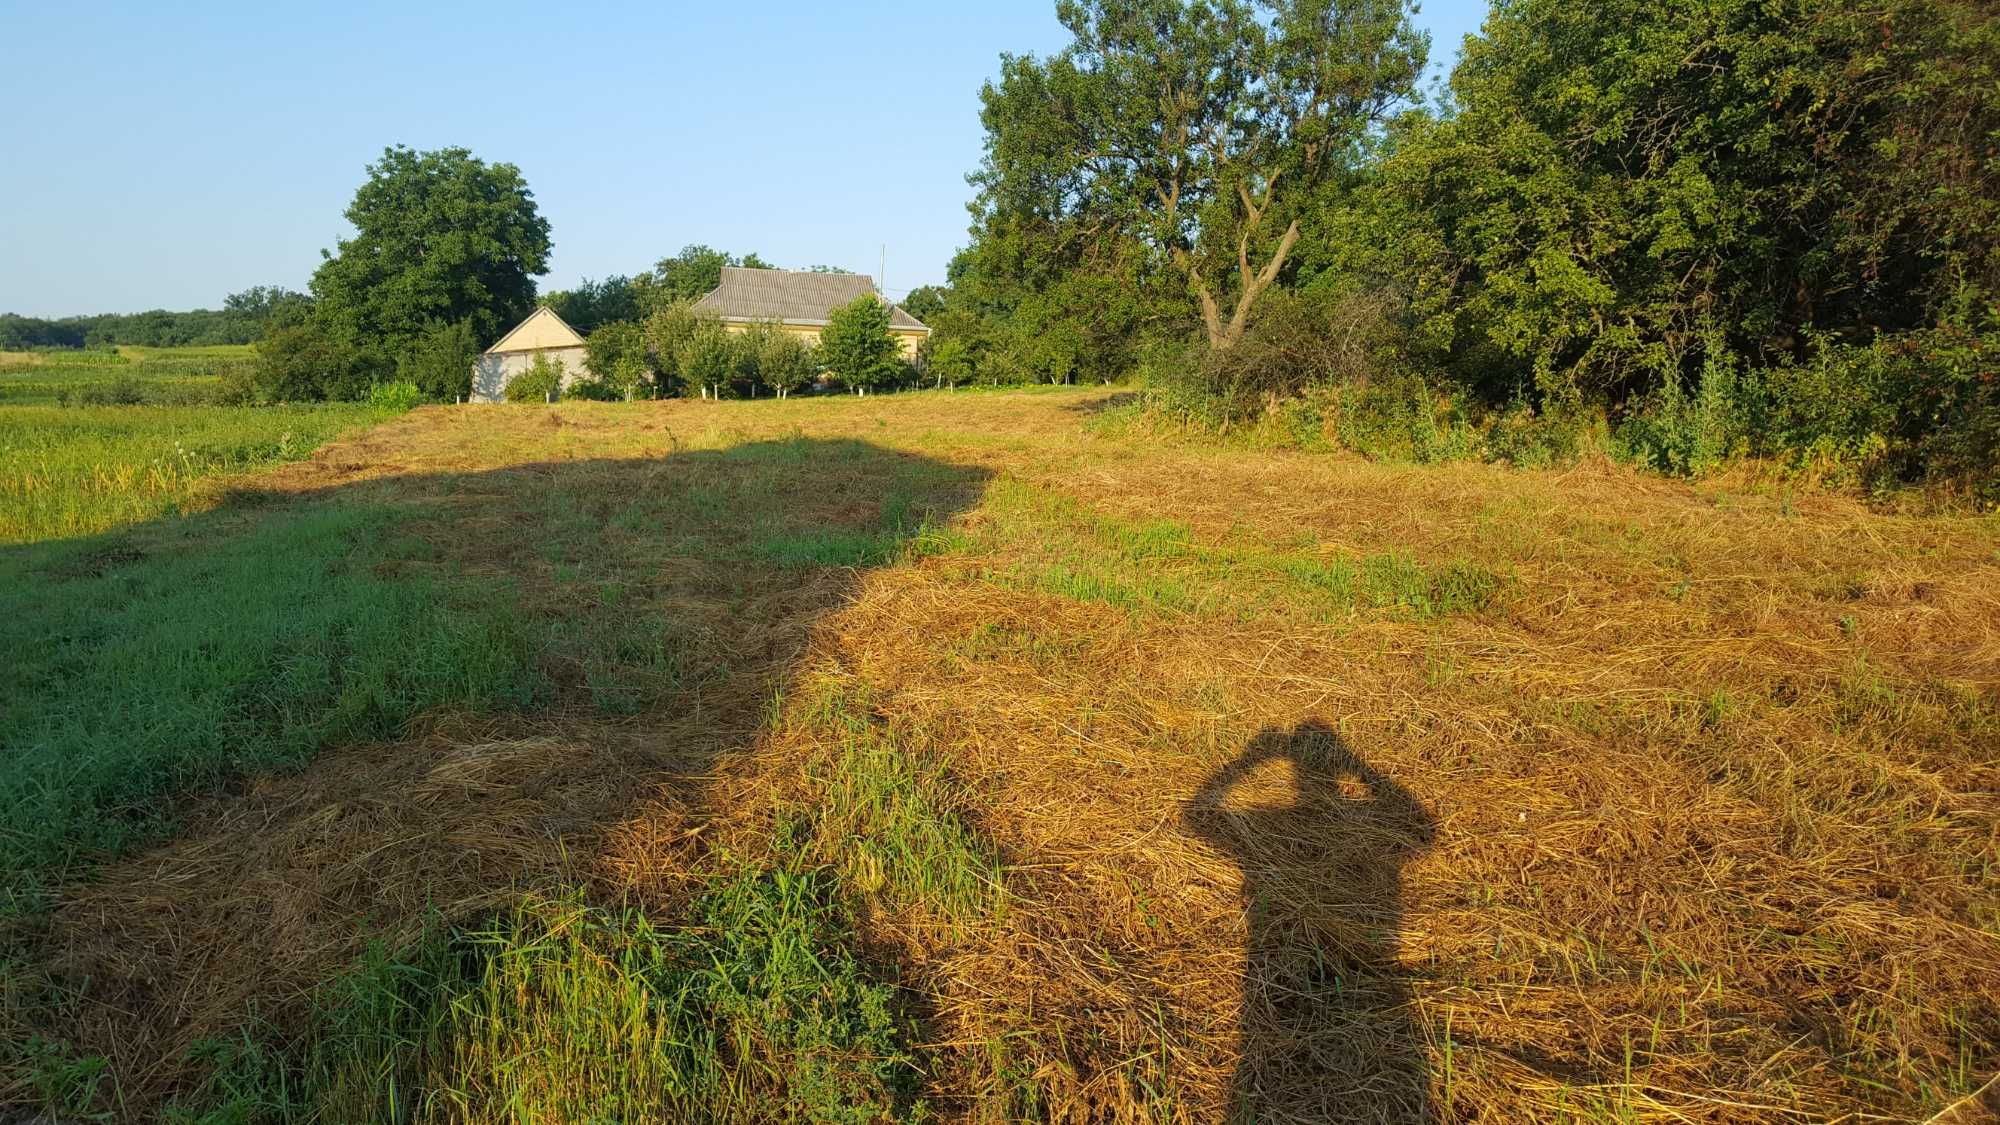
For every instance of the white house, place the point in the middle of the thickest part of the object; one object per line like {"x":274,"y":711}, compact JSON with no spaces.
{"x":543,"y":333}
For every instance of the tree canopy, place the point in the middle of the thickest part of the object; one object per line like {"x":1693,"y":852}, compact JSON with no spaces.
{"x":857,"y":346}
{"x":1201,"y":129}
{"x":440,"y":236}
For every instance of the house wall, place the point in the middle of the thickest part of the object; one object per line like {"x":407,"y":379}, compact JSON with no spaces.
{"x":906,"y":339}
{"x":493,"y":371}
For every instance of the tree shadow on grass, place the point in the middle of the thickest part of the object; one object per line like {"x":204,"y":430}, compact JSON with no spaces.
{"x":352,"y":710}
{"x":1327,"y":1034}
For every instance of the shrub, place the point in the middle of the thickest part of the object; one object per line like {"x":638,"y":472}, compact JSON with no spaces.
{"x":1399,"y":417}
{"x":539,"y":383}
{"x":1527,"y":439}
{"x":398,"y":396}
{"x":311,"y":362}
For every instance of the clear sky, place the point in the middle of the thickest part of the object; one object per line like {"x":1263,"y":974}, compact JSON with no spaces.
{"x":164,"y":155}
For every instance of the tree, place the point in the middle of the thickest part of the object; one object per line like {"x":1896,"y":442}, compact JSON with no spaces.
{"x":593,"y":303}
{"x":667,"y":330}
{"x":1635,"y":191}
{"x":707,"y":357}
{"x":439,"y":237}
{"x":1200,"y":128}
{"x":951,"y":361}
{"x":785,"y":362}
{"x":925,"y":301}
{"x":440,"y":361}
{"x":260,"y":306}
{"x":689,"y":275}
{"x":541,"y":382}
{"x":618,"y":356}
{"x":857,"y":347}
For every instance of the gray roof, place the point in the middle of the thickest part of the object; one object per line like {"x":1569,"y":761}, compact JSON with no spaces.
{"x":792,"y":296}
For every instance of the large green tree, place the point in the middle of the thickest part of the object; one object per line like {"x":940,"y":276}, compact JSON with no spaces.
{"x":1636,"y":190}
{"x":1199,"y":128}
{"x":440,"y":237}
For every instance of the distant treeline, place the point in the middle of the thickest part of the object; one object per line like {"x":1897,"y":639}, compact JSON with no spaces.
{"x":240,"y":320}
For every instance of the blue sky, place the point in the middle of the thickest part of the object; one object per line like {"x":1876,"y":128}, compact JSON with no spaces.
{"x":162,"y":156}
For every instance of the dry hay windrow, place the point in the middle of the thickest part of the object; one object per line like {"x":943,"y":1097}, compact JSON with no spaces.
{"x":1695,"y":821}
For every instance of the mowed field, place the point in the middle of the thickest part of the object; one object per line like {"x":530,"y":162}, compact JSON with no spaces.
{"x":979,"y":757}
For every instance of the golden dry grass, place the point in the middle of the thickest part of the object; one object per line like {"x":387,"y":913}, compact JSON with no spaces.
{"x":1696,"y":820}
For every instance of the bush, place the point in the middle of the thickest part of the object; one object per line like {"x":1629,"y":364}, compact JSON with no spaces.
{"x":310,"y":362}
{"x":1689,"y":434}
{"x":1526,"y":439}
{"x":539,"y":383}
{"x":399,"y":396}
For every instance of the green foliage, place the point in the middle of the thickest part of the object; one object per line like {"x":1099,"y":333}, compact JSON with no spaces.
{"x":440,"y":237}
{"x":1665,"y":202}
{"x":925,"y":301}
{"x":1195,"y":133}
{"x":857,"y":348}
{"x":395,"y":398}
{"x":593,"y":304}
{"x":785,"y":361}
{"x":668,"y":330}
{"x":315,"y":361}
{"x":620,"y":360}
{"x":541,"y":382}
{"x":706,"y":356}
{"x":439,"y":361}
{"x":241,"y":320}
{"x":687,"y":276}
{"x":950,"y":360}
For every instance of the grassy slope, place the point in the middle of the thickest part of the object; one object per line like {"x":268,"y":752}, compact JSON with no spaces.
{"x":929,"y":754}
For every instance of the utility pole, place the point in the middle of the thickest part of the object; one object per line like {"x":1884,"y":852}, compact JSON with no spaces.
{"x":882,"y":272}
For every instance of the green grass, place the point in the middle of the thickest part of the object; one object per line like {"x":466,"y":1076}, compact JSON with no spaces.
{"x":146,"y":667}
{"x":890,"y":818}
{"x":76,"y":471}
{"x":182,"y":376}
{"x":1159,"y":566}
{"x":756,"y":1009}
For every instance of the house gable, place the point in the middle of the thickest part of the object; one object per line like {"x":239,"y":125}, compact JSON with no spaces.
{"x":543,"y":330}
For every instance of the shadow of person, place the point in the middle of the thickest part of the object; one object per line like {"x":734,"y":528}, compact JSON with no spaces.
{"x":1325,"y":1023}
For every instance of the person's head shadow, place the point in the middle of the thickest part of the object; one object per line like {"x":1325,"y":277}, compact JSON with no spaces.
{"x":1321,"y":838}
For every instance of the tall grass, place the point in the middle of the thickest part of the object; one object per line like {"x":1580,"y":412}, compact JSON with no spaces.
{"x":70,"y":472}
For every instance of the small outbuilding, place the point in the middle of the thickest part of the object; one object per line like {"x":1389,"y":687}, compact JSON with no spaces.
{"x":800,"y":302}
{"x":543,"y":333}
